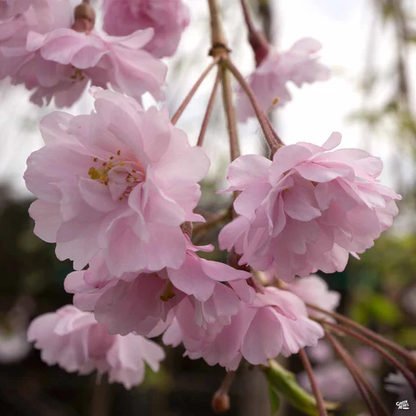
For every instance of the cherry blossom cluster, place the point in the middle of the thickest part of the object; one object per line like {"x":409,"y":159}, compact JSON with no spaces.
{"x":117,"y":191}
{"x":56,"y":53}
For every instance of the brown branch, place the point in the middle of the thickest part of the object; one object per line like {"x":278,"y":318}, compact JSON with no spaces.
{"x":209,"y":109}
{"x":217,"y":32}
{"x":315,"y":389}
{"x":354,"y":374}
{"x":193,"y":90}
{"x":368,"y":332}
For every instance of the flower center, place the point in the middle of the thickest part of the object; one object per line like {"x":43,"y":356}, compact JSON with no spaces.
{"x":120,"y":176}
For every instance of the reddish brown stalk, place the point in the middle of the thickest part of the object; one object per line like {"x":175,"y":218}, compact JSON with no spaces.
{"x":315,"y":389}
{"x":209,"y":109}
{"x":408,"y":374}
{"x":353,"y":368}
{"x":256,"y":38}
{"x":349,"y":364}
{"x":368,"y":332}
{"x":213,"y":222}
{"x":256,"y":106}
{"x":278,"y":139}
{"x":193,"y":90}
{"x":221,"y":399}
{"x":230,"y":114}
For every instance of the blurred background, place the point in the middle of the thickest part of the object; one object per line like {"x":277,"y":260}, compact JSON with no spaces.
{"x":370,"y":45}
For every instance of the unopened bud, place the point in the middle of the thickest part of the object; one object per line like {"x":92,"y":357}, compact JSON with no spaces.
{"x":84,"y":16}
{"x":221,"y":402}
{"x":260,"y":45}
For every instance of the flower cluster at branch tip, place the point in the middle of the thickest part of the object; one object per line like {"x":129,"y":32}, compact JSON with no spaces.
{"x":42,"y":49}
{"x":307,"y":209}
{"x":269,"y":80}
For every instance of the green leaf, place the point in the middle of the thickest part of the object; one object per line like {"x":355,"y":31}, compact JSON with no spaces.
{"x":274,"y":399}
{"x":285,"y":382}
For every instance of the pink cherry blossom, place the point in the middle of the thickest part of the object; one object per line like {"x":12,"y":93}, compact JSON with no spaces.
{"x":73,"y":59}
{"x":119,"y":182}
{"x":269,"y":81}
{"x":76,"y":342}
{"x":142,"y":302}
{"x":307,"y":209}
{"x":276,"y":322}
{"x":42,"y":52}
{"x":10,"y":8}
{"x":168,"y":18}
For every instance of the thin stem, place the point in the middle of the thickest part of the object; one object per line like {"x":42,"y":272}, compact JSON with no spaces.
{"x":353,"y":368}
{"x":408,"y":374}
{"x":247,"y":17}
{"x":209,"y":109}
{"x":371,"y":334}
{"x":230,"y":114}
{"x":226,"y":215}
{"x":315,"y":389}
{"x":193,"y":90}
{"x":256,"y":106}
{"x":365,"y":395}
{"x":278,"y":139}
{"x":221,"y":399}
{"x":257,"y":40}
{"x":228,"y":380}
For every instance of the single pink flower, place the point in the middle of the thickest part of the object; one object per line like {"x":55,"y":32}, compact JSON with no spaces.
{"x":168,"y":19}
{"x":276,"y":322}
{"x":269,"y":81}
{"x":76,"y":342}
{"x":307,"y":209}
{"x":119,"y":182}
{"x":142,"y":302}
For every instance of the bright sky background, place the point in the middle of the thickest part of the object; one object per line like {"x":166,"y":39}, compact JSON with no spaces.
{"x":341,"y":26}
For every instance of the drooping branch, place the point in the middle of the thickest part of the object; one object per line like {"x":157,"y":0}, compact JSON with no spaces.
{"x":230,"y":113}
{"x":368,"y":332}
{"x":265,"y":126}
{"x":209,"y":109}
{"x":315,"y":389}
{"x":357,"y":374}
{"x":349,"y":364}
{"x":193,"y":90}
{"x":396,"y":363}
